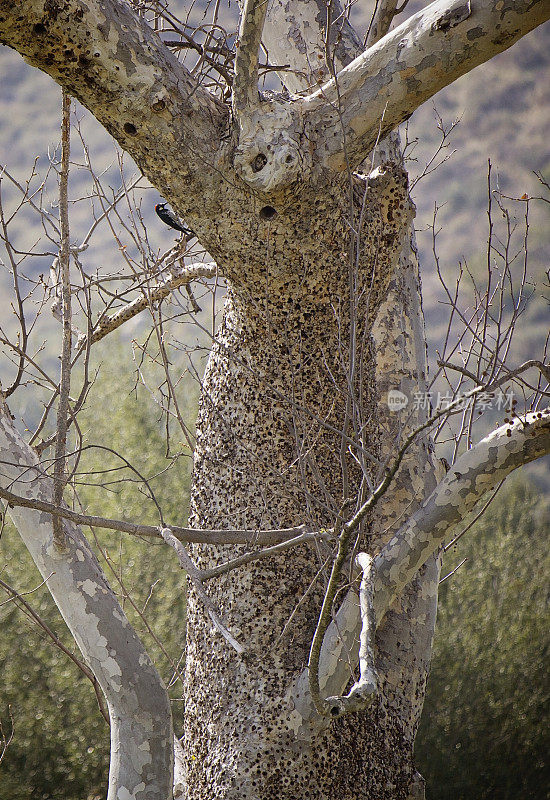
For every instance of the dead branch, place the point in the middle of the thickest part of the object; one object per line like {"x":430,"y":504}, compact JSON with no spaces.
{"x":59,"y":473}
{"x":194,"y":576}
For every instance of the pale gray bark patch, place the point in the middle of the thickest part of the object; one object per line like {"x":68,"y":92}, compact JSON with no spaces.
{"x":295,"y":34}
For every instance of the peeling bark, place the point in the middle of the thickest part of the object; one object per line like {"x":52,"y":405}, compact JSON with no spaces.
{"x":141,"y":721}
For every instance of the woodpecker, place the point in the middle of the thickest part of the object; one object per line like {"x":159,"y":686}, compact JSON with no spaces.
{"x":170,"y":219}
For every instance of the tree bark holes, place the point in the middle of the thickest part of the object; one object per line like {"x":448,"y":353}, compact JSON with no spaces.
{"x":130,"y":129}
{"x":267,"y":212}
{"x":259,"y":162}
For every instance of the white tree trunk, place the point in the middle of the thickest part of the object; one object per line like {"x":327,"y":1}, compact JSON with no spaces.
{"x":139,"y":708}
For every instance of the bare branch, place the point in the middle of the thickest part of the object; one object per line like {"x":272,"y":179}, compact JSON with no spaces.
{"x":6,"y":740}
{"x":195,"y":577}
{"x":245,"y":82}
{"x":294,"y":33}
{"x":268,"y":552}
{"x":162,"y":108}
{"x":509,"y":374}
{"x":59,"y":474}
{"x":249,"y":537}
{"x":473,"y":474}
{"x":362,"y":692}
{"x":382,"y":17}
{"x":139,"y":708}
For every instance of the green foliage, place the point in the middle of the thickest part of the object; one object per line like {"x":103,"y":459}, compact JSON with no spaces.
{"x":61,"y":742}
{"x":484,"y":733}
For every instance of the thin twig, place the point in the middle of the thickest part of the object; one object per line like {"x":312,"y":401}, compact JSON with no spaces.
{"x":59,"y":475}
{"x":267,"y":552}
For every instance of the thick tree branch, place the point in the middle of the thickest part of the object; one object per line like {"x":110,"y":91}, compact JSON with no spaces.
{"x":476,"y":472}
{"x":382,"y":17}
{"x":139,"y":709}
{"x":107,"y":57}
{"x":384,"y":85}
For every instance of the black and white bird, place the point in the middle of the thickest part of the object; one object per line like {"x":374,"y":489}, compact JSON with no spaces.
{"x":169,"y":218}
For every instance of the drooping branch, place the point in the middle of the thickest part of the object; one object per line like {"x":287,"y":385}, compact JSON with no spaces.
{"x":476,"y":472}
{"x":107,"y":57}
{"x":139,"y":708}
{"x":384,"y":85}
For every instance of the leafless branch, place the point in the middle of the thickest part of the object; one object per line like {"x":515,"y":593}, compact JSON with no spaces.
{"x":6,"y":740}
{"x":59,"y":475}
{"x":268,"y":552}
{"x":249,"y":537}
{"x":194,"y":576}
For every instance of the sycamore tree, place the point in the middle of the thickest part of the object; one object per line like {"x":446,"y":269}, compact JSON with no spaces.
{"x":318,"y":509}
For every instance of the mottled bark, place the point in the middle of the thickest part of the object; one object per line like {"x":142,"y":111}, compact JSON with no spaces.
{"x":139,"y":709}
{"x":385,"y":84}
